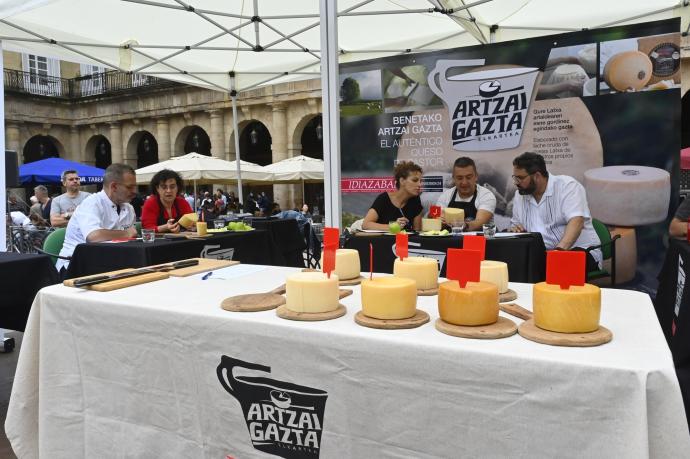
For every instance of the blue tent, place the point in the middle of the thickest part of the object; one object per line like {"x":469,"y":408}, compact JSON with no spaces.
{"x":49,"y":171}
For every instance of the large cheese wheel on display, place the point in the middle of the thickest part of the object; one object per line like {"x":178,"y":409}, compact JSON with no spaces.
{"x":346,"y":263}
{"x":389,"y":298}
{"x":311,"y":292}
{"x":495,"y":272}
{"x":451,"y":214}
{"x":626,"y":253}
{"x":476,"y":304}
{"x":572,"y":310}
{"x":187,"y":219}
{"x":588,"y":58}
{"x":629,"y":70}
{"x":424,"y":271}
{"x":431,"y":224}
{"x":628,"y":195}
{"x":567,"y":72}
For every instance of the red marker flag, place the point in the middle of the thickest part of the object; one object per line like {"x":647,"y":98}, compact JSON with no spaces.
{"x":331,"y":239}
{"x":463,"y":265}
{"x":434,"y":211}
{"x":371,"y":261}
{"x":401,"y":245}
{"x":565,"y":268}
{"x":471,"y":242}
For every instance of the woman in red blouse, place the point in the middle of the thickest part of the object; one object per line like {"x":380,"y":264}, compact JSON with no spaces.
{"x":165,"y":206}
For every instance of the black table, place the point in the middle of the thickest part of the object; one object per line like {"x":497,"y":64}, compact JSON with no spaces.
{"x":286,"y":236}
{"x":22,"y":275}
{"x":524,"y":253}
{"x":253,"y":247}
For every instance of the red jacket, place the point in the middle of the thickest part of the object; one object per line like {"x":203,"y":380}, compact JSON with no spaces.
{"x":151,"y":211}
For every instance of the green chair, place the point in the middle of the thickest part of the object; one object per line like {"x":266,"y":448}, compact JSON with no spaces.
{"x":53,"y":244}
{"x":137,"y":225}
{"x":608,"y":251}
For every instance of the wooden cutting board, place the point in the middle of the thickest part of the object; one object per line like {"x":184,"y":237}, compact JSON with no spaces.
{"x":531,"y":332}
{"x":121,"y":283}
{"x":419,"y":319}
{"x":205,"y":264}
{"x":500,"y":329}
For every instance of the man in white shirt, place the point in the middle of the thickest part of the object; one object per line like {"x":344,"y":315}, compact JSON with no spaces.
{"x":553,"y":205}
{"x":105,"y":215}
{"x":64,"y":205}
{"x":479,"y":203}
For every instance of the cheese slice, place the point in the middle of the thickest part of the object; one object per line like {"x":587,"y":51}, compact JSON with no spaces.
{"x":431,"y":224}
{"x":495,"y":272}
{"x":476,"y":304}
{"x":451,"y":214}
{"x":187,"y":219}
{"x":572,"y":310}
{"x":311,"y":292}
{"x":389,"y":298}
{"x":424,"y":271}
{"x":346,"y":263}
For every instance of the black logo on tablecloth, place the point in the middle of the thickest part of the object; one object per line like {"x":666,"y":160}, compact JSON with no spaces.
{"x":282,"y":418}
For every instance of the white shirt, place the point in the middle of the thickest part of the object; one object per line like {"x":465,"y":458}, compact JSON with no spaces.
{"x":485,"y":199}
{"x":95,"y":212}
{"x":19,"y":219}
{"x":564,"y":199}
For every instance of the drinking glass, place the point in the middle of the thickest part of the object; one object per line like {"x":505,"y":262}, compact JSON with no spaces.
{"x":489,"y":230}
{"x":457,"y":228}
{"x":218,"y":224}
{"x":148,"y":235}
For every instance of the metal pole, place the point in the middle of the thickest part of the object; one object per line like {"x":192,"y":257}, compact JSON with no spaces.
{"x":330,"y":111}
{"x":3,"y":190}
{"x":237,"y":140}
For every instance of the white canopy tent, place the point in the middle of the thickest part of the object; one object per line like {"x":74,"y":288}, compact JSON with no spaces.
{"x":236,"y":46}
{"x":298,"y":169}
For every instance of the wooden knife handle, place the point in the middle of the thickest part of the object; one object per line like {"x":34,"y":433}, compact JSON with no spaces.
{"x":516,"y":310}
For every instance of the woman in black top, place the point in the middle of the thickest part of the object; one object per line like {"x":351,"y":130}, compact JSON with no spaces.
{"x":402,"y":205}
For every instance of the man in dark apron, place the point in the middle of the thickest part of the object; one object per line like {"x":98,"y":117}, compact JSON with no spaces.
{"x":477,"y":202}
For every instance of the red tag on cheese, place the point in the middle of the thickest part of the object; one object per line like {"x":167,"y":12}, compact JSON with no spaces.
{"x":471,"y":242}
{"x":331,"y":240}
{"x":463,"y":265}
{"x":328,"y":261}
{"x":434,"y":211}
{"x":565,"y":268}
{"x":331,"y":237}
{"x":401,"y":245}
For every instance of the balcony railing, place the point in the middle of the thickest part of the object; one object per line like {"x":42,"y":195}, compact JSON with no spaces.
{"x":96,"y":84}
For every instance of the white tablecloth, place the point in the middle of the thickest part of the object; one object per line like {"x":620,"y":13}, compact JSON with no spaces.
{"x":133,"y":373}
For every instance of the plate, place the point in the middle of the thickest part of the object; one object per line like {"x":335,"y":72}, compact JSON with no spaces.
{"x":214,"y":230}
{"x":435,"y":235}
{"x":238,"y":231}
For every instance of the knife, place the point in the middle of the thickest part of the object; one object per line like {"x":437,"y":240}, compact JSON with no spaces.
{"x":83,"y":282}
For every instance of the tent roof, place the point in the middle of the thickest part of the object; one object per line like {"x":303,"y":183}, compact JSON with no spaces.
{"x":50,"y":170}
{"x":296,"y":169}
{"x":205,"y":169}
{"x":202,"y":43}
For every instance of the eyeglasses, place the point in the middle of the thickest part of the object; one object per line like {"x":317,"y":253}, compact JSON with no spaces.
{"x":172,"y":187}
{"x":520,"y":178}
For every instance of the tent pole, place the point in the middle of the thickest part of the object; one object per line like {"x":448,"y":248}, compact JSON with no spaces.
{"x":328,"y":10}
{"x":195,"y":196}
{"x":3,"y":190}
{"x":233,"y":93}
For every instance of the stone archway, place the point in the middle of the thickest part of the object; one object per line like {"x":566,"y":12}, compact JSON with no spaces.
{"x":41,"y":147}
{"x":142,"y":147}
{"x":255,"y":147}
{"x":99,"y":150}
{"x":192,"y":139}
{"x":312,"y":146}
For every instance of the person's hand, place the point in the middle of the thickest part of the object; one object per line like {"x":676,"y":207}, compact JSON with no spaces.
{"x":402,"y":221}
{"x":172,"y":226}
{"x":517,"y":229}
{"x":131,"y":232}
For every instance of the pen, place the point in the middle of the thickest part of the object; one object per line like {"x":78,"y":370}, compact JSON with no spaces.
{"x":207,"y":275}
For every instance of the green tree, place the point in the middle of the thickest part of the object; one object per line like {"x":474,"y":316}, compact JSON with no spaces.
{"x":349,"y":91}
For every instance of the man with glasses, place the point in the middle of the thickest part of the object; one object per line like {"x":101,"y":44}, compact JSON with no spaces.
{"x":553,"y":205}
{"x":64,"y":205}
{"x":105,"y":215}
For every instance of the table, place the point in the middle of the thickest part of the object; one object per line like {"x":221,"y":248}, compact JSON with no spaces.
{"x":137,"y":373}
{"x":93,"y":258}
{"x":22,"y":275}
{"x":524,"y":253}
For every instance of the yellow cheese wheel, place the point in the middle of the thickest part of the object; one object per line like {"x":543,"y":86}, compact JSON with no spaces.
{"x":389,"y":298}
{"x":187,"y":219}
{"x":495,"y":272}
{"x":431,"y":224}
{"x":628,"y":70}
{"x":476,"y":304}
{"x":311,"y":292}
{"x":572,"y":310}
{"x":424,"y":271}
{"x":346,"y":263}
{"x":451,"y":214}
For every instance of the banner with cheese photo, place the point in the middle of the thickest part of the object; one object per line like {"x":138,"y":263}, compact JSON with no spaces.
{"x":600,"y":105}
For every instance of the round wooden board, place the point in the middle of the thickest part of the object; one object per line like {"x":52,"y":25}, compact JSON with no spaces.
{"x":420,"y":318}
{"x":502,"y":328}
{"x":427,"y":291}
{"x":530,"y":331}
{"x":285,"y":313}
{"x":509,"y":295}
{"x":253,"y":302}
{"x":355,"y":281}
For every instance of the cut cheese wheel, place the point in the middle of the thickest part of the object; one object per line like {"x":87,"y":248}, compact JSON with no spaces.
{"x":572,"y":310}
{"x":346,"y":263}
{"x":187,"y":219}
{"x":588,"y":58}
{"x":495,"y":272}
{"x":311,"y":292}
{"x":567,"y":72}
{"x":431,"y":224}
{"x":389,"y":298}
{"x":424,"y":271}
{"x":628,"y":195}
{"x":629,"y":70}
{"x":451,"y":214}
{"x":476,"y":304}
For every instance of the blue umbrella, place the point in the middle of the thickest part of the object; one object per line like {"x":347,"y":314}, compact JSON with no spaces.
{"x":49,"y":171}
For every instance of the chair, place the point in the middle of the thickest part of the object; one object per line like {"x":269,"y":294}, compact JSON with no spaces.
{"x":53,"y":244}
{"x":313,"y":251}
{"x":137,"y":226}
{"x":608,"y":251}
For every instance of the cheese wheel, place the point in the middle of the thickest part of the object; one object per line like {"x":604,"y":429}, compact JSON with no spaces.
{"x":424,"y":271}
{"x":201,"y":228}
{"x":431,"y":224}
{"x":572,"y":310}
{"x":346,"y":263}
{"x":495,"y":272}
{"x":451,"y":214}
{"x":187,"y":219}
{"x":588,"y":58}
{"x":476,"y":304}
{"x":389,"y":298}
{"x":311,"y":292}
{"x":628,"y":70}
{"x":568,"y":72}
{"x":628,"y":195}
